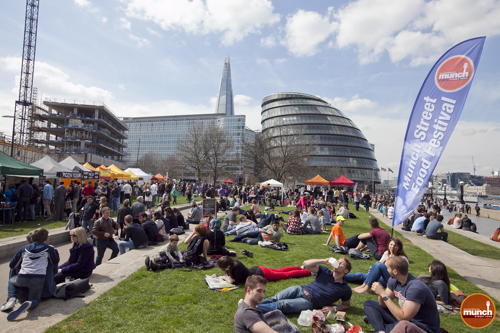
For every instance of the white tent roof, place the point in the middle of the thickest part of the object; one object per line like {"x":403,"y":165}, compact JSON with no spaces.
{"x":70,"y":163}
{"x":50,"y":166}
{"x":272,"y":183}
{"x":139,"y":173}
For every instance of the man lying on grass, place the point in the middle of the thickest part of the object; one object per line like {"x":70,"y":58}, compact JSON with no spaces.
{"x":328,"y":287}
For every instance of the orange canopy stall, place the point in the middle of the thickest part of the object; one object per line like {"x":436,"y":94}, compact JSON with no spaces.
{"x":317,"y":180}
{"x":159,"y":176}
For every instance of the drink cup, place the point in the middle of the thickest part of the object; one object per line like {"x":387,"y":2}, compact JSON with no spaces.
{"x":333,"y":262}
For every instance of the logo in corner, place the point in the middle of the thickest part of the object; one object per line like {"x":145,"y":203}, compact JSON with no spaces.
{"x":454,"y":73}
{"x":477,"y":310}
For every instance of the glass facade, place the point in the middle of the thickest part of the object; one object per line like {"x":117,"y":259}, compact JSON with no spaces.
{"x":332,"y":139}
{"x":160,"y":135}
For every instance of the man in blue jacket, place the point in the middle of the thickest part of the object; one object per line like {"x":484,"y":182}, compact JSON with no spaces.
{"x":32,"y":269}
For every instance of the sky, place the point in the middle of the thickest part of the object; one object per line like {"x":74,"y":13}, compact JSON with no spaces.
{"x":368,"y":58}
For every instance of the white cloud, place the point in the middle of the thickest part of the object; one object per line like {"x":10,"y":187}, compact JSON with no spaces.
{"x":153,"y":32}
{"x":55,"y":83}
{"x":306,"y":30}
{"x":242,"y":100}
{"x":268,"y":41}
{"x":82,"y":3}
{"x":139,"y":41}
{"x":370,"y":25}
{"x":353,"y":104}
{"x":125,"y":24}
{"x":422,"y":48}
{"x":234,"y":19}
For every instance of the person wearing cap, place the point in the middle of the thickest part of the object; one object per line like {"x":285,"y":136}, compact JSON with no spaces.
{"x":337,"y":234}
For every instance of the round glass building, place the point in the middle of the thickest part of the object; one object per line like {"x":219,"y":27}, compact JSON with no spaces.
{"x":335,"y":145}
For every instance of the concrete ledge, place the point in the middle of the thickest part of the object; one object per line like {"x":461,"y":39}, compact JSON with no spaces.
{"x":10,"y":245}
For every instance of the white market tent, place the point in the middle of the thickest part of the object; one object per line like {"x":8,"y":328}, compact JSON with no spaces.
{"x":273,"y":183}
{"x":70,"y":163}
{"x":141,"y":174}
{"x":50,"y":166}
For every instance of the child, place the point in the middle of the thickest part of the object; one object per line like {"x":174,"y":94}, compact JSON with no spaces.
{"x":172,"y":250}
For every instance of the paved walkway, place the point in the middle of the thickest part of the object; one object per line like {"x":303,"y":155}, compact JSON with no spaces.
{"x":483,"y":272}
{"x":105,"y":276}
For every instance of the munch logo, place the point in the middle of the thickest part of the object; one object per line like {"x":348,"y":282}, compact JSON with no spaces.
{"x":454,"y":73}
{"x":477,"y":310}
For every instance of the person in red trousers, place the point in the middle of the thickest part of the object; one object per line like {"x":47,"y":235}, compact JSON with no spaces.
{"x":237,"y":273}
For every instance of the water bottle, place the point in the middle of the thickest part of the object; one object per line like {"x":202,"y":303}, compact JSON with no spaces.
{"x":333,"y":262}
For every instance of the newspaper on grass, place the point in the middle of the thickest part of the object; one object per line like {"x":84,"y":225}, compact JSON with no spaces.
{"x":218,"y":283}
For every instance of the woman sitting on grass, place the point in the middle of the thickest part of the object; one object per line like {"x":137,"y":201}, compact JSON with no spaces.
{"x":237,"y":273}
{"x":438,"y":282}
{"x":294,"y":223}
{"x":378,"y":271}
{"x":196,"y":252}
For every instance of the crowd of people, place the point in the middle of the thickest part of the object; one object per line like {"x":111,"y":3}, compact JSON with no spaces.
{"x":150,"y":219}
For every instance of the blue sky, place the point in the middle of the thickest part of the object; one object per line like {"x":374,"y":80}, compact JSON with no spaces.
{"x":367,"y":57}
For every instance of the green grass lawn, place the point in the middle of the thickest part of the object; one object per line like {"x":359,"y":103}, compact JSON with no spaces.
{"x":472,"y":246}
{"x":179,"y":300}
{"x":22,"y":228}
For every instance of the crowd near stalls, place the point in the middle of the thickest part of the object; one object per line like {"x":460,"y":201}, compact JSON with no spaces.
{"x":109,"y":217}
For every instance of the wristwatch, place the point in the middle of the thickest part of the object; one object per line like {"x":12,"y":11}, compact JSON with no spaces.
{"x":385,"y":298}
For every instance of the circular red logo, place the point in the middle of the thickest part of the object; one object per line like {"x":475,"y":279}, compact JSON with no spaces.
{"x":454,"y":73}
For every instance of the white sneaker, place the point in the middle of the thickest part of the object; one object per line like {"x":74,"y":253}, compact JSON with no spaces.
{"x":8,"y":305}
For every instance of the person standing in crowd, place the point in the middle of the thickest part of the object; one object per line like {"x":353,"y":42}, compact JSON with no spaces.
{"x":24,"y":194}
{"x":59,"y":201}
{"x":418,"y":311}
{"x":366,"y":200}
{"x":115,"y":197}
{"x":123,"y":211}
{"x":77,"y":192}
{"x":89,"y":210}
{"x":138,"y":207}
{"x":88,"y":190}
{"x":127,"y":191}
{"x":47,"y":197}
{"x":103,"y":230}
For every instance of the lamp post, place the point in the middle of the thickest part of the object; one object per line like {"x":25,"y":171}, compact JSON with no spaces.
{"x":445,"y":185}
{"x":461,"y":183}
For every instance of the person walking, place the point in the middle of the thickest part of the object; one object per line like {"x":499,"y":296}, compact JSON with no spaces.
{"x":47,"y":197}
{"x":59,"y":201}
{"x":103,"y":230}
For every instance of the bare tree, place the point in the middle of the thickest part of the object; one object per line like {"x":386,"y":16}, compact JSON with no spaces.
{"x":217,"y":151}
{"x":190,"y":150}
{"x":278,"y":157}
{"x":174,"y":167}
{"x":151,"y":163}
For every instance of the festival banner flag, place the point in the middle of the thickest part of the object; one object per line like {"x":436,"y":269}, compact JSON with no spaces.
{"x":434,"y":116}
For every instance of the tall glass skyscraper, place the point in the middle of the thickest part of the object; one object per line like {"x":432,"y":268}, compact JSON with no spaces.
{"x":334,"y":144}
{"x":160,"y":135}
{"x":225,"y":103}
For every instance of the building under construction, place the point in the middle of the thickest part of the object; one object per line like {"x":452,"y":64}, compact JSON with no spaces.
{"x":89,"y":133}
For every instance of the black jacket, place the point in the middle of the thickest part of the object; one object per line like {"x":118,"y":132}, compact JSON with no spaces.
{"x":135,"y":232}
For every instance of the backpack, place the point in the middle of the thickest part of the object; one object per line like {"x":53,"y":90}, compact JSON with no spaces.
{"x":339,"y":249}
{"x":72,"y":289}
{"x":357,"y":254}
{"x":177,"y":231}
{"x":158,"y":263}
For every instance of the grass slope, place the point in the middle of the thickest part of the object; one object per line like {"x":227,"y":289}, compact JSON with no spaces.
{"x":179,"y":300}
{"x":22,"y":228}
{"x":472,"y":246}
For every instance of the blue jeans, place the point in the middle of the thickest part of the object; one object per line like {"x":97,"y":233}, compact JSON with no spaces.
{"x":243,"y":235}
{"x":377,"y":272}
{"x":380,"y":318}
{"x":290,"y":300}
{"x":88,"y":225}
{"x":33,"y":284}
{"x":115,"y":204}
{"x":124,"y":245}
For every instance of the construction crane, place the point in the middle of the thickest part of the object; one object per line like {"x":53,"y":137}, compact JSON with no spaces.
{"x":23,"y":105}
